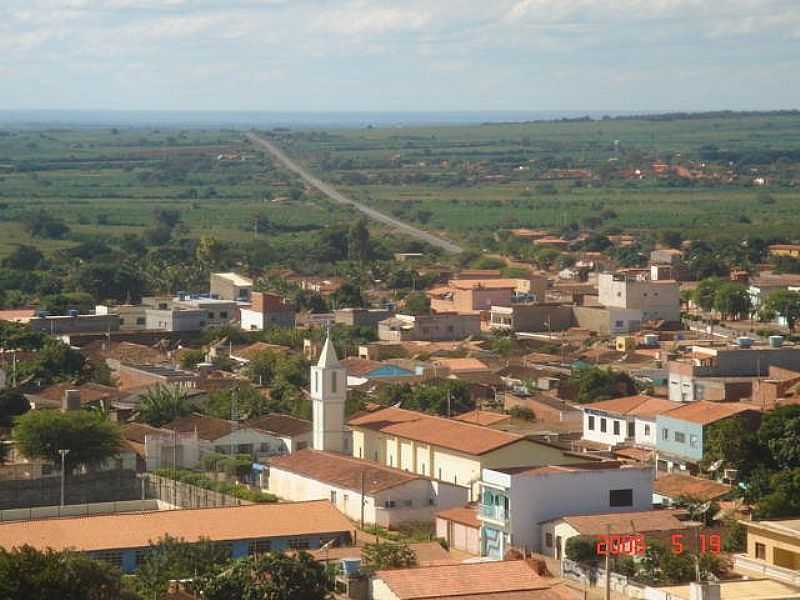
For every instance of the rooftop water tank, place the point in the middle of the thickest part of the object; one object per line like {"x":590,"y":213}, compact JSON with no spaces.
{"x":351,"y":566}
{"x":651,"y":339}
{"x":744,"y":342}
{"x":776,"y":341}
{"x":72,"y":312}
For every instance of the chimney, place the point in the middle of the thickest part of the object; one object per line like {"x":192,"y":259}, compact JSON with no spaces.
{"x":72,"y":400}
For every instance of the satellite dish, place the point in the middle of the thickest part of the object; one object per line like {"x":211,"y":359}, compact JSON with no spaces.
{"x":715,"y":466}
{"x":397,"y":404}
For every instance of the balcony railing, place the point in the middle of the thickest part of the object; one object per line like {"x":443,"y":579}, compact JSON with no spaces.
{"x":496,"y":513}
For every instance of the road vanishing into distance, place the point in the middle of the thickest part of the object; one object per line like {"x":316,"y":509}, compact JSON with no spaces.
{"x":337,"y":196}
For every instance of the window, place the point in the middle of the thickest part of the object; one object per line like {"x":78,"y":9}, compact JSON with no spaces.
{"x":548,"y":540}
{"x":603,"y":425}
{"x":122,"y":321}
{"x":140,"y":320}
{"x":223,"y":314}
{"x":616,"y":427}
{"x":259,"y":547}
{"x":264,"y":447}
{"x":647,"y":430}
{"x":345,"y":498}
{"x":211,"y":315}
{"x":389,"y":504}
{"x":665,"y":434}
{"x":440,"y":472}
{"x":316,"y":381}
{"x":619,"y":324}
{"x":631,"y":429}
{"x":693,"y":441}
{"x":408,"y":503}
{"x":141,"y":556}
{"x":620,"y":498}
{"x":297,"y":543}
{"x":591,"y":422}
{"x":112,"y":557}
{"x":761,"y":551}
{"x":333,"y":497}
{"x":680,"y":437}
{"x":333,"y":382}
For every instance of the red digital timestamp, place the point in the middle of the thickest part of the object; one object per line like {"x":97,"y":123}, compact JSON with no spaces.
{"x":635,"y":545}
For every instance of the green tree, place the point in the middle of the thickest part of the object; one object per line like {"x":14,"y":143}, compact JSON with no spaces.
{"x":733,"y":442}
{"x":110,"y":281}
{"x":90,"y":438}
{"x":388,"y":555}
{"x":732,"y":300}
{"x":189,"y":359}
{"x":13,"y":403}
{"x":581,"y":549}
{"x":593,"y":384}
{"x":26,"y":573}
{"x":417,"y":303}
{"x":779,"y":433}
{"x":55,"y":361}
{"x":358,"y":247}
{"x":275,"y":576}
{"x":783,"y":499}
{"x":162,"y":404}
{"x":173,"y":558}
{"x":705,"y":293}
{"x":24,"y":257}
{"x":783,"y":303}
{"x":348,"y":296}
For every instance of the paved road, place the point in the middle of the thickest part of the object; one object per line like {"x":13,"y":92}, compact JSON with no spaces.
{"x":336,"y":196}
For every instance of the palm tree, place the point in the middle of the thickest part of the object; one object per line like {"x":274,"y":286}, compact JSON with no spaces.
{"x":162,"y":404}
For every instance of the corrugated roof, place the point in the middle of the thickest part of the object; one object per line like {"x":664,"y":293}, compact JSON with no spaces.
{"x":639,"y":406}
{"x":705,"y":413}
{"x":106,"y":532}
{"x":343,"y":471}
{"x":438,"y":431}
{"x":482,"y":417}
{"x":461,"y":580}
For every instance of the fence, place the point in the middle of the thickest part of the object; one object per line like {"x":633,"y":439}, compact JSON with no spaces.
{"x":592,"y":576}
{"x":80,"y":510}
{"x":102,"y":486}
{"x":186,"y":495}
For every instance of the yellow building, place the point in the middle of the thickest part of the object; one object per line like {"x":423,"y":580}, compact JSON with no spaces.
{"x":792,"y":250}
{"x":773,"y":550}
{"x":446,"y":449}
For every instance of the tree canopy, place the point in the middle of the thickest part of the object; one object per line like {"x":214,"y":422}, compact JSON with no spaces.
{"x":163,"y":403}
{"x":593,"y":384}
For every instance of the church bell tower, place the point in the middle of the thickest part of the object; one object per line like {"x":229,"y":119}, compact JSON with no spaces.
{"x":328,"y":396}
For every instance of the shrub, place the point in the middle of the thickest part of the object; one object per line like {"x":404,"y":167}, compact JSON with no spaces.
{"x":581,"y":549}
{"x":522,"y":412}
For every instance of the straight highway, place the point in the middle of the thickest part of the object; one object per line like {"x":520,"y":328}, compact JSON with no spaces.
{"x":337,"y":196}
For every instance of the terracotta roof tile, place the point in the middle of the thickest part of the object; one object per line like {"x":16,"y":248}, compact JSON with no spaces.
{"x":282,"y":425}
{"x":461,"y":364}
{"x":625,"y":523}
{"x":466,"y":515}
{"x":343,"y":471}
{"x":208,"y":428}
{"x":705,"y":413}
{"x":673,"y":485}
{"x":482,"y":417}
{"x":464,"y":579}
{"x":639,"y":406}
{"x":358,"y":367}
{"x":90,"y":392}
{"x":438,"y":431}
{"x":137,"y":530}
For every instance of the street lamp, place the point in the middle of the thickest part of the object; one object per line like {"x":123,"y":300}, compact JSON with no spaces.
{"x":63,"y":452}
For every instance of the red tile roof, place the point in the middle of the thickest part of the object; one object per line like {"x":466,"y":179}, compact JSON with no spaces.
{"x":137,"y":530}
{"x":639,"y":406}
{"x":466,"y":515}
{"x":282,"y":425}
{"x":625,"y":523}
{"x":705,"y":413}
{"x":462,"y":580}
{"x":438,"y":431}
{"x":674,"y":485}
{"x":343,"y":471}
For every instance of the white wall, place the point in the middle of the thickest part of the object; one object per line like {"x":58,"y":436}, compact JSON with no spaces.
{"x":251,"y":320}
{"x":380,"y":591}
{"x":537,"y":498}
{"x":597,"y":435}
{"x":254,"y":437}
{"x":645,"y":432}
{"x":297,"y":488}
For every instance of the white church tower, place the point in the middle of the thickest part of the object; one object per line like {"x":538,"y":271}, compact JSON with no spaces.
{"x":328,"y":395}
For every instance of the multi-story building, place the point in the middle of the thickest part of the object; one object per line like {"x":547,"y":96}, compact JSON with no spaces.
{"x":682,"y":431}
{"x":657,"y":300}
{"x":362,"y":317}
{"x":267,"y":310}
{"x":231,"y":286}
{"x":624,"y":421}
{"x":773,"y":550}
{"x":445,"y":449}
{"x":514,"y":502}
{"x":726,"y":373}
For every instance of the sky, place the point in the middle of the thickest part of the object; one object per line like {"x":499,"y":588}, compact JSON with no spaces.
{"x":400,"y":55}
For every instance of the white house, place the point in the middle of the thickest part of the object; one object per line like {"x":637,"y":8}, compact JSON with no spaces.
{"x":515,"y":501}
{"x":629,"y":420}
{"x":390,"y":496}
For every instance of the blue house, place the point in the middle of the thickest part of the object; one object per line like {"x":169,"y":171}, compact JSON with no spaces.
{"x":681,"y":431}
{"x":124,"y":540}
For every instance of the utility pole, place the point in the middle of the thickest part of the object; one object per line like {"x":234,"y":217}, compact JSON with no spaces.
{"x":363,"y":486}
{"x":608,"y":562}
{"x":63,"y":452}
